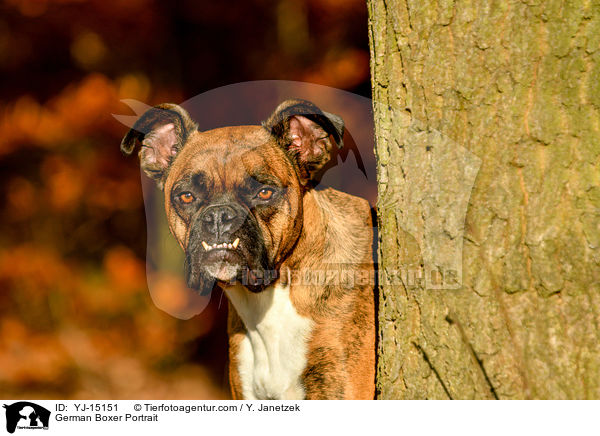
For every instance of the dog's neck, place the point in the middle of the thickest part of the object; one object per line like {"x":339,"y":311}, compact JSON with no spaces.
{"x":273,"y":353}
{"x":310,"y":242}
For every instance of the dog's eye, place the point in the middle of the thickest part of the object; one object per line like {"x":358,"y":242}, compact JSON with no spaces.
{"x":186,"y":197}
{"x":265,"y":194}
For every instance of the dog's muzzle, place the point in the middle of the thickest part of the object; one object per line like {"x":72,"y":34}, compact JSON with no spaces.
{"x":225,"y":245}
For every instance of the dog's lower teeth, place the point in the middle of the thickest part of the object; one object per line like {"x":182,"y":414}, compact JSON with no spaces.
{"x":234,"y":245}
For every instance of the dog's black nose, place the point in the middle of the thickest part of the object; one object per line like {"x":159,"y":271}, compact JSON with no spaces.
{"x":219,"y":219}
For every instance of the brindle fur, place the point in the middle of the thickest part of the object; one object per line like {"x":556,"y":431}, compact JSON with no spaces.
{"x":311,"y":230}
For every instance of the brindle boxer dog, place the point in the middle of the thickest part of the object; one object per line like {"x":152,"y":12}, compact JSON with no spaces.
{"x":294,"y":262}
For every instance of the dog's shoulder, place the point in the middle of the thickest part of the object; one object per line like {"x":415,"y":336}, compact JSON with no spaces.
{"x":344,"y":303}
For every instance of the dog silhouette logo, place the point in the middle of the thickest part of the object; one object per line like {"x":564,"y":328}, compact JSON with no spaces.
{"x":26,"y":415}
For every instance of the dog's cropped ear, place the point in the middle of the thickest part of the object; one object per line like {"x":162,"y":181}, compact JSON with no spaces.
{"x":162,"y":132}
{"x":304,"y":131}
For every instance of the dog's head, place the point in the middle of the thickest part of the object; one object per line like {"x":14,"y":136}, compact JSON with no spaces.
{"x":233,"y":195}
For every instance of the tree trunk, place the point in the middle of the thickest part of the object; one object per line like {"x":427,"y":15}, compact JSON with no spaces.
{"x":488,"y":147}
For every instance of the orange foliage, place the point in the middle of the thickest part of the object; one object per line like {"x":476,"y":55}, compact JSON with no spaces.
{"x":22,"y":198}
{"x":124,"y":270}
{"x":33,"y":268}
{"x":343,"y":70}
{"x":64,"y":183}
{"x":73,"y":113}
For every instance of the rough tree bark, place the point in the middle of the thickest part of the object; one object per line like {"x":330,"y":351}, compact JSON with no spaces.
{"x":488,"y":145}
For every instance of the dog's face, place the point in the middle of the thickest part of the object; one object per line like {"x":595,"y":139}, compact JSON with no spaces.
{"x":233,"y":196}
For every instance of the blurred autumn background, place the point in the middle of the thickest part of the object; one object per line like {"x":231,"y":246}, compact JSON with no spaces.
{"x":76,"y":318}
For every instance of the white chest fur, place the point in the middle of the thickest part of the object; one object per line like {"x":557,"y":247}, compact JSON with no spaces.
{"x":272,"y":356}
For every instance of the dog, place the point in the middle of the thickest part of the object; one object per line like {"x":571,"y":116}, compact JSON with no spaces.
{"x":295,"y":262}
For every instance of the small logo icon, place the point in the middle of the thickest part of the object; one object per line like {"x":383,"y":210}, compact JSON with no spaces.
{"x":26,"y":415}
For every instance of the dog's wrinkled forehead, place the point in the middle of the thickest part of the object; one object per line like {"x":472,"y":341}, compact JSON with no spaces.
{"x":296,"y":135}
{"x":229,"y":155}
